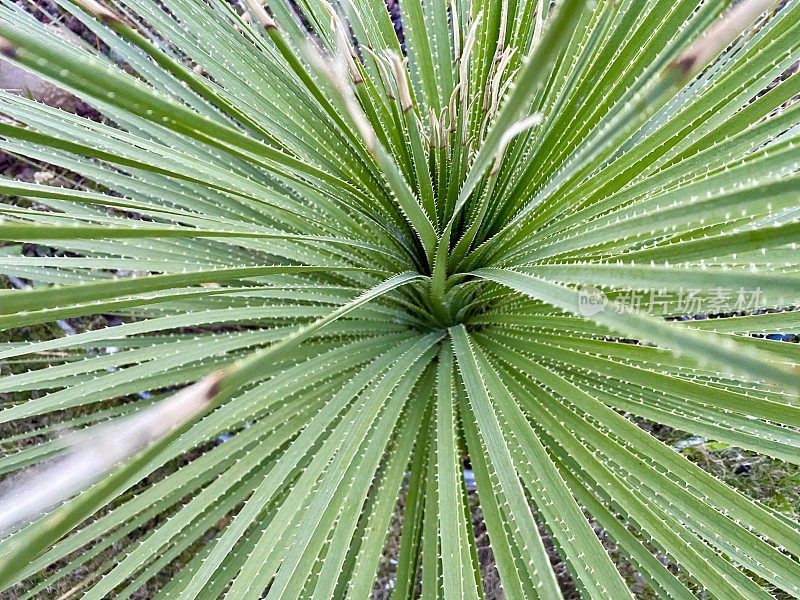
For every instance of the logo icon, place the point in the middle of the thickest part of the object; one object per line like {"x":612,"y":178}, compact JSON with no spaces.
{"x":591,"y":301}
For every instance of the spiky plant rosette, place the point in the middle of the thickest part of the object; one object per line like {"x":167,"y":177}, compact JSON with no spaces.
{"x":373,"y":261}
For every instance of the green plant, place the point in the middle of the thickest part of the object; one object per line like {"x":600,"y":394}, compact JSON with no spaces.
{"x":377,"y":267}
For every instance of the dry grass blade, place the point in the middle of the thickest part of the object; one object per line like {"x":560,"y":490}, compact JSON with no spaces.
{"x":93,"y":452}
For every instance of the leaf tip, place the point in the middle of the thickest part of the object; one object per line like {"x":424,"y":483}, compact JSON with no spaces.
{"x":257,"y":10}
{"x":684,"y":64}
{"x":7,"y":49}
{"x":214,"y":384}
{"x":99,"y":11}
{"x":400,"y":69}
